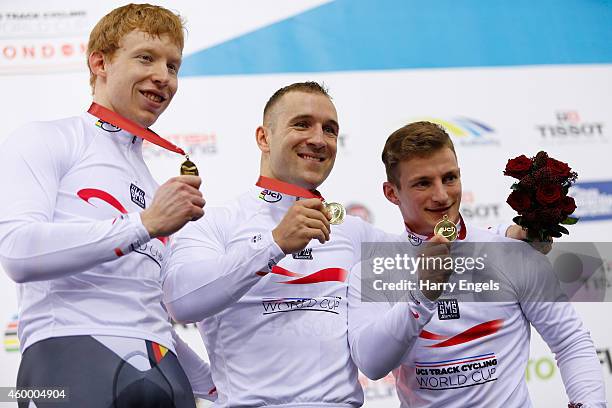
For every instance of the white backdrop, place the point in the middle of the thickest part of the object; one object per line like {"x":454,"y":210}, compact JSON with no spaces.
{"x":492,"y":113}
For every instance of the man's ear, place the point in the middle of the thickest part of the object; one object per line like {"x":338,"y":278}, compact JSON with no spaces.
{"x":390,"y":191}
{"x":97,"y":63}
{"x":262,"y":139}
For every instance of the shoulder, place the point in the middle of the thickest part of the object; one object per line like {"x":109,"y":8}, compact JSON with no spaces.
{"x":67,"y":133}
{"x":225,"y":217}
{"x":56,"y":139}
{"x":234,"y":210}
{"x":477,"y":234}
{"x":42,"y":130}
{"x":363,"y":231}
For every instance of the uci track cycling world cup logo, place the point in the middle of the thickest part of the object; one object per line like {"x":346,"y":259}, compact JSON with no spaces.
{"x":467,"y":132}
{"x":43,"y":39}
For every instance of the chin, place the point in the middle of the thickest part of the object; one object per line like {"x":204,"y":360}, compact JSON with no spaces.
{"x":149,"y":121}
{"x":311,"y":181}
{"x":309,"y":184}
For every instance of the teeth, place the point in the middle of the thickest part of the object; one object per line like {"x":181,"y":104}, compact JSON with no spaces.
{"x":307,"y":157}
{"x":153,"y":97}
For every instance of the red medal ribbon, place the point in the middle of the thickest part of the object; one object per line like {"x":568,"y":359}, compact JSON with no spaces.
{"x":286,"y":188}
{"x":119,"y":121}
{"x":461,"y":236}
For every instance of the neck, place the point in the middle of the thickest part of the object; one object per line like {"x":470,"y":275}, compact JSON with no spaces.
{"x":265,"y":171}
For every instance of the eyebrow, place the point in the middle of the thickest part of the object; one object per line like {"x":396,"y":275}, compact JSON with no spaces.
{"x":454,"y":172}
{"x":153,"y":51}
{"x":311,"y":117}
{"x":417,"y":179}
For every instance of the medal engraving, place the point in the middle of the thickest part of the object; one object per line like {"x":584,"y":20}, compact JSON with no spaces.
{"x":188,"y":168}
{"x":336,"y":211}
{"x":446,"y":228}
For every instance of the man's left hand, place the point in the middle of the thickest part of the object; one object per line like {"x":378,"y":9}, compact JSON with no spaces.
{"x":517,"y":232}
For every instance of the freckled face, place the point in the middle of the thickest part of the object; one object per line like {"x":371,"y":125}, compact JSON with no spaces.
{"x":141,"y":78}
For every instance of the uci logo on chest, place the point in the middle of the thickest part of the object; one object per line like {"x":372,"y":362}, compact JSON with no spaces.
{"x":138,"y":196}
{"x":107,"y":126}
{"x":270,"y":196}
{"x":414,"y":240}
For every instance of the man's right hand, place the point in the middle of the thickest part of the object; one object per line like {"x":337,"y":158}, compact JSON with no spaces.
{"x":436,"y":247}
{"x":176,"y":202}
{"x":305,"y":220}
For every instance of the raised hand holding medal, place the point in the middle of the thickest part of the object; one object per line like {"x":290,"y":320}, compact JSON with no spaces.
{"x":308,"y":218}
{"x":336,"y":211}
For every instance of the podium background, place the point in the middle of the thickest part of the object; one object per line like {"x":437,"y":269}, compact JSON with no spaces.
{"x":503,"y":78}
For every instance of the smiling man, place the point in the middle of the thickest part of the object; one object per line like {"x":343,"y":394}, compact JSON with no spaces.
{"x":265,"y":275}
{"x":450,"y":350}
{"x":83,"y":230}
{"x":432,"y":189}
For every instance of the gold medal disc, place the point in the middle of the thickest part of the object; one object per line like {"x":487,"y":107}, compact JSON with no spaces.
{"x":188,"y":168}
{"x":337,"y":212}
{"x":446,"y":228}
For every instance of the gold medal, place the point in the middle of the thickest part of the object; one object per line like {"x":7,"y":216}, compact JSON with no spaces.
{"x":336,"y":211}
{"x":188,"y":168}
{"x":446,"y":228}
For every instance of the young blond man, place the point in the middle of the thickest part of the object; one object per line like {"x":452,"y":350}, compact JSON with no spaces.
{"x":445,"y":348}
{"x":83,"y":229}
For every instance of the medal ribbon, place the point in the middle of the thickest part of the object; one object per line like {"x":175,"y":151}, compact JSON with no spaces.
{"x":119,"y":121}
{"x":286,"y":188}
{"x":460,"y":236}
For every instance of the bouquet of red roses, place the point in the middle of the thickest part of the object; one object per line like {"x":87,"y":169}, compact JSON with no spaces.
{"x":540,"y":195}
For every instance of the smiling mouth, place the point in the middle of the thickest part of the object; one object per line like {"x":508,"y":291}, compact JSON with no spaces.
{"x":153,"y":97}
{"x":311,"y":158}
{"x":439,"y":210}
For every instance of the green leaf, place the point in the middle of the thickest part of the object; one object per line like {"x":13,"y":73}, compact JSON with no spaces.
{"x":514,"y":187}
{"x":570,"y":221}
{"x":559,"y":228}
{"x":517,"y":220}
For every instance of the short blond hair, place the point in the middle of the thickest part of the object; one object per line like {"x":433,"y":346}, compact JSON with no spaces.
{"x":417,"y":139}
{"x":306,"y":87}
{"x":106,"y":36}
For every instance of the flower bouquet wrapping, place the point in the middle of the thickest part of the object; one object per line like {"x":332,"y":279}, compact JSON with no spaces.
{"x":540,"y":195}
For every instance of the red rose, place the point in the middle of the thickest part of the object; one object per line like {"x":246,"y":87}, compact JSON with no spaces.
{"x":519,"y":201}
{"x":567,"y":205}
{"x":518,"y":167}
{"x":544,"y":176}
{"x":540,"y":159}
{"x":558,"y":168}
{"x":549,"y":216}
{"x":528,"y":183}
{"x":530,"y":219}
{"x":548,"y":193}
